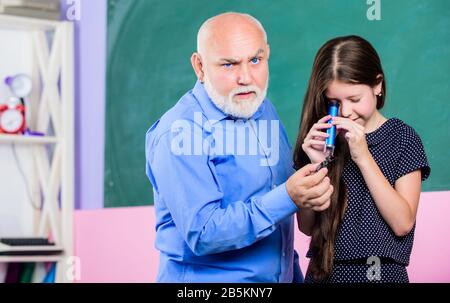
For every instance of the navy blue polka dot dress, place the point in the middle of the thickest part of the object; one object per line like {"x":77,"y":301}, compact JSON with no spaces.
{"x":366,"y":248}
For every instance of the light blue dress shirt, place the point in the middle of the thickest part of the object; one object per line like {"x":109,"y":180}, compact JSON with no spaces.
{"x":222,"y":211}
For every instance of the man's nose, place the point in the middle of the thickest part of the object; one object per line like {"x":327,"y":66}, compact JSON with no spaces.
{"x":244,"y":77}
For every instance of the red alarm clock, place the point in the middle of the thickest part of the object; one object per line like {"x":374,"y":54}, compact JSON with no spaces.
{"x":12,"y":118}
{"x":12,"y":114}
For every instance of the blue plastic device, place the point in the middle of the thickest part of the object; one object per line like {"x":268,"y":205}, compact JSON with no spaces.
{"x":333,"y":110}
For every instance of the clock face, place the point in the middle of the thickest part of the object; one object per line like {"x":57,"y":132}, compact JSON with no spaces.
{"x":11,"y":120}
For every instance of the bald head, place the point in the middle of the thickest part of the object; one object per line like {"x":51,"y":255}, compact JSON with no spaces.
{"x":232,"y":62}
{"x":225,"y":25}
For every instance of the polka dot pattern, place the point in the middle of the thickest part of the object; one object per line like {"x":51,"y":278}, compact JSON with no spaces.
{"x":389,"y":272}
{"x":398,"y":150}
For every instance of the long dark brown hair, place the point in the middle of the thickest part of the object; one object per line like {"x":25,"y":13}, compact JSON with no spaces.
{"x":349,"y":59}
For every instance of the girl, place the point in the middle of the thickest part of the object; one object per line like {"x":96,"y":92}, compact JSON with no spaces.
{"x":367,"y":232}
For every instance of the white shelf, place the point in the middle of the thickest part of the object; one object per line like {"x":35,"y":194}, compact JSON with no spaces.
{"x":21,"y":139}
{"x":26,"y":23}
{"x":11,"y":249}
{"x":52,"y":111}
{"x":25,"y":259}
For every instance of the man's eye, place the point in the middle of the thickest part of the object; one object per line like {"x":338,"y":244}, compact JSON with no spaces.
{"x":255,"y":61}
{"x":227,"y":65}
{"x":354,"y":100}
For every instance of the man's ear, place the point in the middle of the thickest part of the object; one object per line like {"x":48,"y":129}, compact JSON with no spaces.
{"x":197,"y":65}
{"x":268,"y":51}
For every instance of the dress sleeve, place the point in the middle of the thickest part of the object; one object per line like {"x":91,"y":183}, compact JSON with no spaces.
{"x":412,"y":155}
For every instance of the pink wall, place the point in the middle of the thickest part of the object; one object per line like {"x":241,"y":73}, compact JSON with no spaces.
{"x":116,"y":244}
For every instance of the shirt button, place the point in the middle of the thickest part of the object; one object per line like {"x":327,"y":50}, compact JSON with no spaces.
{"x":284,"y":254}
{"x":274,"y":186}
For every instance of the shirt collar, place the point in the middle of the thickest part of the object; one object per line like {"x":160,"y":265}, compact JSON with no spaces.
{"x":382,"y":132}
{"x":211,"y":111}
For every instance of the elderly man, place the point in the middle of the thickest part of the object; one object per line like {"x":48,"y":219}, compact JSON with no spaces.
{"x":221,"y":168}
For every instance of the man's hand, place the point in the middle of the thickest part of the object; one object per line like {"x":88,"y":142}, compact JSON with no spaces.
{"x":310,"y":190}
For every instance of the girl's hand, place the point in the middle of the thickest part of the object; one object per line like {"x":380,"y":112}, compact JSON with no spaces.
{"x":314,"y":142}
{"x":355,"y":136}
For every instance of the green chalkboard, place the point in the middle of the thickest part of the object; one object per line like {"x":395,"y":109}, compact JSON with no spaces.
{"x":150,"y":43}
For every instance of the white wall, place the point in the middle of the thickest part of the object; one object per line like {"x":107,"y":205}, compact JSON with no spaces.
{"x":16,"y":213}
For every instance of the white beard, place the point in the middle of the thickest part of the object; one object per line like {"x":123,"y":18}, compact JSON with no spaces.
{"x":244,"y":109}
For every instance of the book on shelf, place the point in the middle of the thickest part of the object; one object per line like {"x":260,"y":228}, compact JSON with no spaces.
{"x":26,"y":276}
{"x":40,"y":271}
{"x":30,"y":272}
{"x":51,"y":274}
{"x":13,"y":273}
{"x":39,"y":4}
{"x":43,"y":9}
